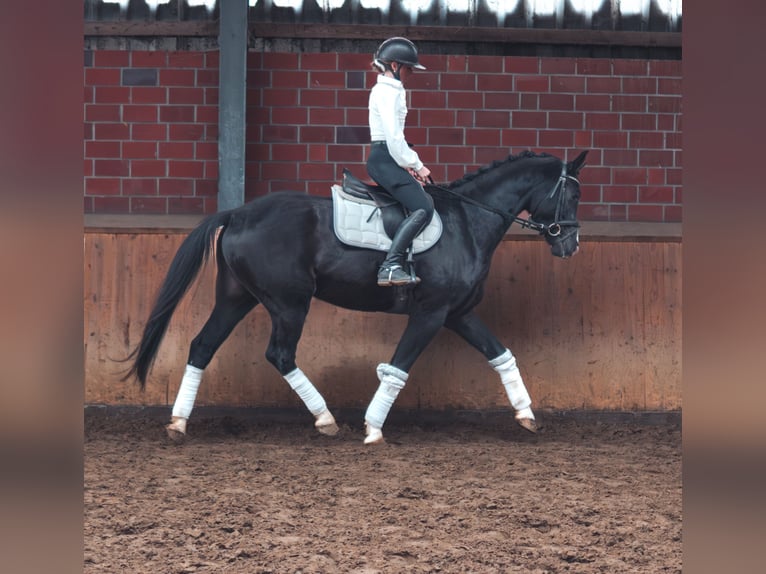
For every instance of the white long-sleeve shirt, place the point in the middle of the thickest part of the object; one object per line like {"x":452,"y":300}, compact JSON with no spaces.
{"x":388,"y":112}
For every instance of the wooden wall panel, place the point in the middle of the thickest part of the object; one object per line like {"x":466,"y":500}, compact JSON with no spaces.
{"x":599,"y":331}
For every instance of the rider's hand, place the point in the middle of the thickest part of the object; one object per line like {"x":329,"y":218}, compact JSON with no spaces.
{"x":423,"y":173}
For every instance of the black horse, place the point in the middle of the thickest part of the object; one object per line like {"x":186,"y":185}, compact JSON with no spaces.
{"x":280,"y":250}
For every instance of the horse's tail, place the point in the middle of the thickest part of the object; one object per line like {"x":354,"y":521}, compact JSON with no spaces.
{"x":186,"y":265}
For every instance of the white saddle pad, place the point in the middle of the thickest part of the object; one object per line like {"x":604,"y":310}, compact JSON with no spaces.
{"x":358,"y":222}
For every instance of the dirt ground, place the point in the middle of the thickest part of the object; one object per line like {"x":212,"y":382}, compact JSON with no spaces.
{"x":243,"y":496}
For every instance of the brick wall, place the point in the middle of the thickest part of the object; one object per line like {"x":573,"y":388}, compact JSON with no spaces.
{"x":151,"y":125}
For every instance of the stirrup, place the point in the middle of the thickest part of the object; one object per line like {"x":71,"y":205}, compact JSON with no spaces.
{"x":395,"y":275}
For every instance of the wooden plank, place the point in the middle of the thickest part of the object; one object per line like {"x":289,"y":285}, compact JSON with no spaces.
{"x":601,"y":331}
{"x":380,"y":32}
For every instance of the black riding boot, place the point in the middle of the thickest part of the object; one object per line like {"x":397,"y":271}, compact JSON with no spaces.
{"x":392,"y":270}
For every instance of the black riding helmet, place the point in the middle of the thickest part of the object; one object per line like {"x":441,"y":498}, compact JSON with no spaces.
{"x":399,"y":50}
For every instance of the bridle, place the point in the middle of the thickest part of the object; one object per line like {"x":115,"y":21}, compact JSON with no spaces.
{"x":553,"y":229}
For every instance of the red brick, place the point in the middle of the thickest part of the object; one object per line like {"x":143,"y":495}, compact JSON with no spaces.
{"x":211,"y":96}
{"x":111,"y":58}
{"x":325,"y":61}
{"x":102,"y":186}
{"x":672,"y":214}
{"x":643,"y":140}
{"x":177,"y":114}
{"x":212,"y":59}
{"x":669,"y":86}
{"x":173,"y":77}
{"x":317,"y":153}
{"x":87,"y":131}
{"x":111,"y":95}
{"x":641,"y":122}
{"x":280,"y":61}
{"x":206,"y":114}
{"x":185,"y":132}
{"x":568,"y":84}
{"x":169,"y":187}
{"x":87,"y":168}
{"x":459,"y":82}
{"x":603,"y":85}
{"x":564,"y":102}
{"x":205,"y":150}
{"x":674,"y":176}
{"x":485,"y":64}
{"x":565,"y":120}
{"x":490,"y":119}
{"x":661,"y":158}
{"x":152,"y":205}
{"x":102,"y":149}
{"x":102,"y":113}
{"x":597,"y":121}
{"x":665,"y":68}
{"x":666,"y":122}
{"x":88,"y":94}
{"x":207,"y":78}
{"x":111,"y":205}
{"x":323,"y":116}
{"x":621,"y":157}
{"x":178,"y":168}
{"x":494,"y":83}
{"x":446,"y":136}
{"x":356,"y":61}
{"x":556,"y":138}
{"x":641,"y":212}
{"x":594,"y":67}
{"x":186,"y":95}
{"x":629,"y":103}
{"x":529,"y":120}
{"x":147,"y":168}
{"x":142,"y":59}
{"x":149,"y":131}
{"x":186,"y":59}
{"x":347,"y":153}
{"x":655,"y":194}
{"x":630,"y":67}
{"x":558,"y":66}
{"x":289,"y":152}
{"x":590,"y":194}
{"x":320,"y":98}
{"x":136,"y":186}
{"x":283,"y":97}
{"x":465,"y":100}
{"x":639,"y":85}
{"x":176,"y":150}
{"x":655,"y":176}
{"x":519,"y":138}
{"x":673,"y":141}
{"x":102,"y":76}
{"x":529,"y":102}
{"x":618,"y":140}
{"x":323,"y":134}
{"x":317,"y":172}
{"x":595,"y":174}
{"x":521,"y":65}
{"x":148,"y":95}
{"x":206,"y":188}
{"x":108,"y":131}
{"x":211,"y":170}
{"x":359,"y":98}
{"x":482,"y":137}
{"x":279,"y":171}
{"x":280,"y":133}
{"x":583,"y":139}
{"x":87,"y":205}
{"x":620,"y":194}
{"x":592,"y":103}
{"x":501,"y":101}
{"x":532,"y":83}
{"x":455,"y":64}
{"x":139,"y":113}
{"x":455,"y":154}
{"x":439,"y":117}
{"x":290,"y":80}
{"x":629,"y":175}
{"x":191,"y":205}
{"x":289,"y":116}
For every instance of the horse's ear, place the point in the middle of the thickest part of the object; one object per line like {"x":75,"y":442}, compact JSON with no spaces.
{"x":576,"y":164}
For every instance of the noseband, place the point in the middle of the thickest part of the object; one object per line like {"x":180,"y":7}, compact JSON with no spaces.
{"x":551,"y":229}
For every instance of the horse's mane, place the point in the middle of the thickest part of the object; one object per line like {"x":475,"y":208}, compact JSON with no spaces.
{"x":511,"y":158}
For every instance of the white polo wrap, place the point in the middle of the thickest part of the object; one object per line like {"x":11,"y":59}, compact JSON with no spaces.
{"x":300,"y":383}
{"x":187,"y":392}
{"x":392,"y":380}
{"x":510,"y":376}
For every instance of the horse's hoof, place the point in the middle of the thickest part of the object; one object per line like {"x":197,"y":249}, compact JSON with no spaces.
{"x":529,"y":424}
{"x":326,"y":424}
{"x":176,"y":429}
{"x":374,"y":435}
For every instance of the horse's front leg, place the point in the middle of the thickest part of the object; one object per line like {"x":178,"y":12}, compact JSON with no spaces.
{"x":420,"y":330}
{"x":473,"y":330}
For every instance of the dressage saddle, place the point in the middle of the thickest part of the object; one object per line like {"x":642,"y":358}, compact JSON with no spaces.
{"x":391,"y":211}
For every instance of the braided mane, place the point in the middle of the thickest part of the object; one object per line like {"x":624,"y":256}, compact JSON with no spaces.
{"x":511,"y":158}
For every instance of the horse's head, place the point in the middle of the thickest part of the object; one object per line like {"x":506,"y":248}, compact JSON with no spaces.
{"x":554,"y":210}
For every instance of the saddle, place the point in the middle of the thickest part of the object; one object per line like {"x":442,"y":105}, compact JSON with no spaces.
{"x":368,"y":216}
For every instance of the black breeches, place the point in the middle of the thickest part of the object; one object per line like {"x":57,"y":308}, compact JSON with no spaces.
{"x":382,"y":168}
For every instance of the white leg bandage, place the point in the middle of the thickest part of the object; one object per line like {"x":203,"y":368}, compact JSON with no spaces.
{"x":510,"y":376}
{"x":392,"y":381}
{"x":306,"y":391}
{"x":187,"y":392}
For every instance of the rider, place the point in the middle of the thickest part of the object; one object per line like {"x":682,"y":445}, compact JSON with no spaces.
{"x":392,"y":163}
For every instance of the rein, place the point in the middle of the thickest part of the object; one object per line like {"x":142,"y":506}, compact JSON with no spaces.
{"x":552,"y":229}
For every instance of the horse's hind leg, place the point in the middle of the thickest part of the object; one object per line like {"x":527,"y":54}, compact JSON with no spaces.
{"x":286,"y":329}
{"x":477,"y":334}
{"x":232,"y":303}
